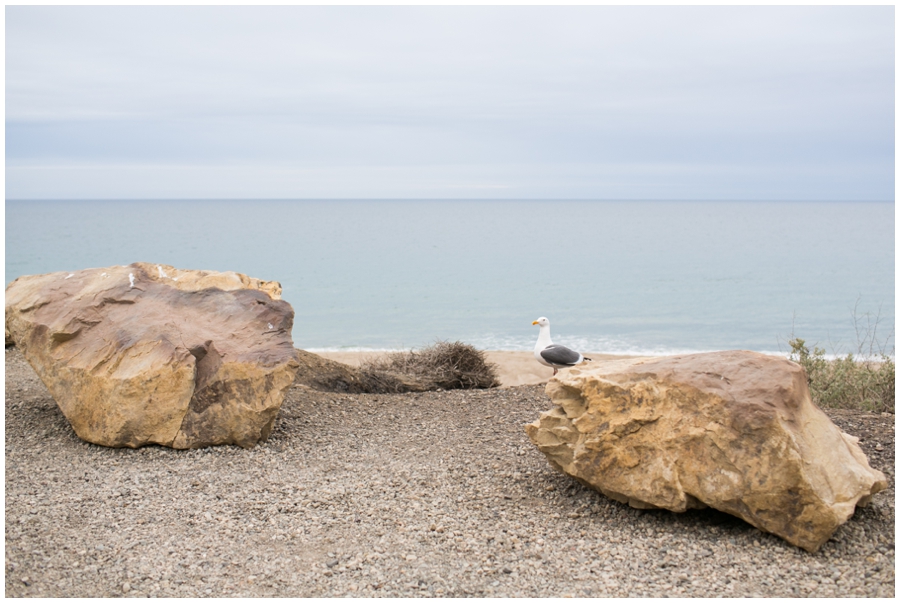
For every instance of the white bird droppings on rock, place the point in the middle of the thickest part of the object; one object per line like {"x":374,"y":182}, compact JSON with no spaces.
{"x":131,"y":278}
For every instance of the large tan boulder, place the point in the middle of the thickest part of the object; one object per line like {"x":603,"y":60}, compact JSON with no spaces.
{"x":735,"y":431}
{"x":150,"y":354}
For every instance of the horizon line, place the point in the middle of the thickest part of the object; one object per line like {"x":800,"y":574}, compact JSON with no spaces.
{"x":593,"y":199}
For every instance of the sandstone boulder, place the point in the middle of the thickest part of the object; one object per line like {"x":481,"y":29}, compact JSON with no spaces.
{"x":735,"y":431}
{"x":150,"y":354}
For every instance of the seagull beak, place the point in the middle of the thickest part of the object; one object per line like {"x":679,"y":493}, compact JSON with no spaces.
{"x":534,"y":323}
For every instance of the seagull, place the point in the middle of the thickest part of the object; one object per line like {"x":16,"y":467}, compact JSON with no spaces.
{"x":550,"y":354}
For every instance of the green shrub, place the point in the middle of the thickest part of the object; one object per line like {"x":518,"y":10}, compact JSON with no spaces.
{"x":846,"y":382}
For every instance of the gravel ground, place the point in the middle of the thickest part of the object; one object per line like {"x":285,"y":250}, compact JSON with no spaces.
{"x":436,"y":494}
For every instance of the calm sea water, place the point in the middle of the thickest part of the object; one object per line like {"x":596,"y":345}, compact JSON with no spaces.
{"x":619,"y":277}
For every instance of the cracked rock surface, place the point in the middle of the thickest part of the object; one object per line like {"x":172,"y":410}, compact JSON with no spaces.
{"x":432,"y":494}
{"x":733,"y":430}
{"x":150,"y":354}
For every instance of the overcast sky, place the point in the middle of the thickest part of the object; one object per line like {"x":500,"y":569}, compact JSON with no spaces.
{"x":450,"y":102}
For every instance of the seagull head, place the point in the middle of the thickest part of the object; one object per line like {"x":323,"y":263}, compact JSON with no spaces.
{"x":542,"y":321}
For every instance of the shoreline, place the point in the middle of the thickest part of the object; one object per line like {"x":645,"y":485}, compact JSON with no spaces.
{"x":513,"y":367}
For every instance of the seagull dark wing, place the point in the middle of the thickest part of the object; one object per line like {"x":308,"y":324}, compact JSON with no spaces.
{"x":560,"y":354}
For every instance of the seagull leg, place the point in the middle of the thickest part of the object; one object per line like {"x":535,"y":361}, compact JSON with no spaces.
{"x":555,"y":370}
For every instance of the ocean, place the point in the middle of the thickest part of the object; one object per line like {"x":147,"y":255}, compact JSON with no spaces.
{"x":627,"y":277}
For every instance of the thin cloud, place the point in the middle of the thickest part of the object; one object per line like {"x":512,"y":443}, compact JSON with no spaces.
{"x":548,"y":101}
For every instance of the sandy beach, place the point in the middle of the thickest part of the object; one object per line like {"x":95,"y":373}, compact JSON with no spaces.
{"x":513,"y":368}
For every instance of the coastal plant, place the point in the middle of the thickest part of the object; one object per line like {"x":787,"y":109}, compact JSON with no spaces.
{"x":861,"y":381}
{"x":444,"y":365}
